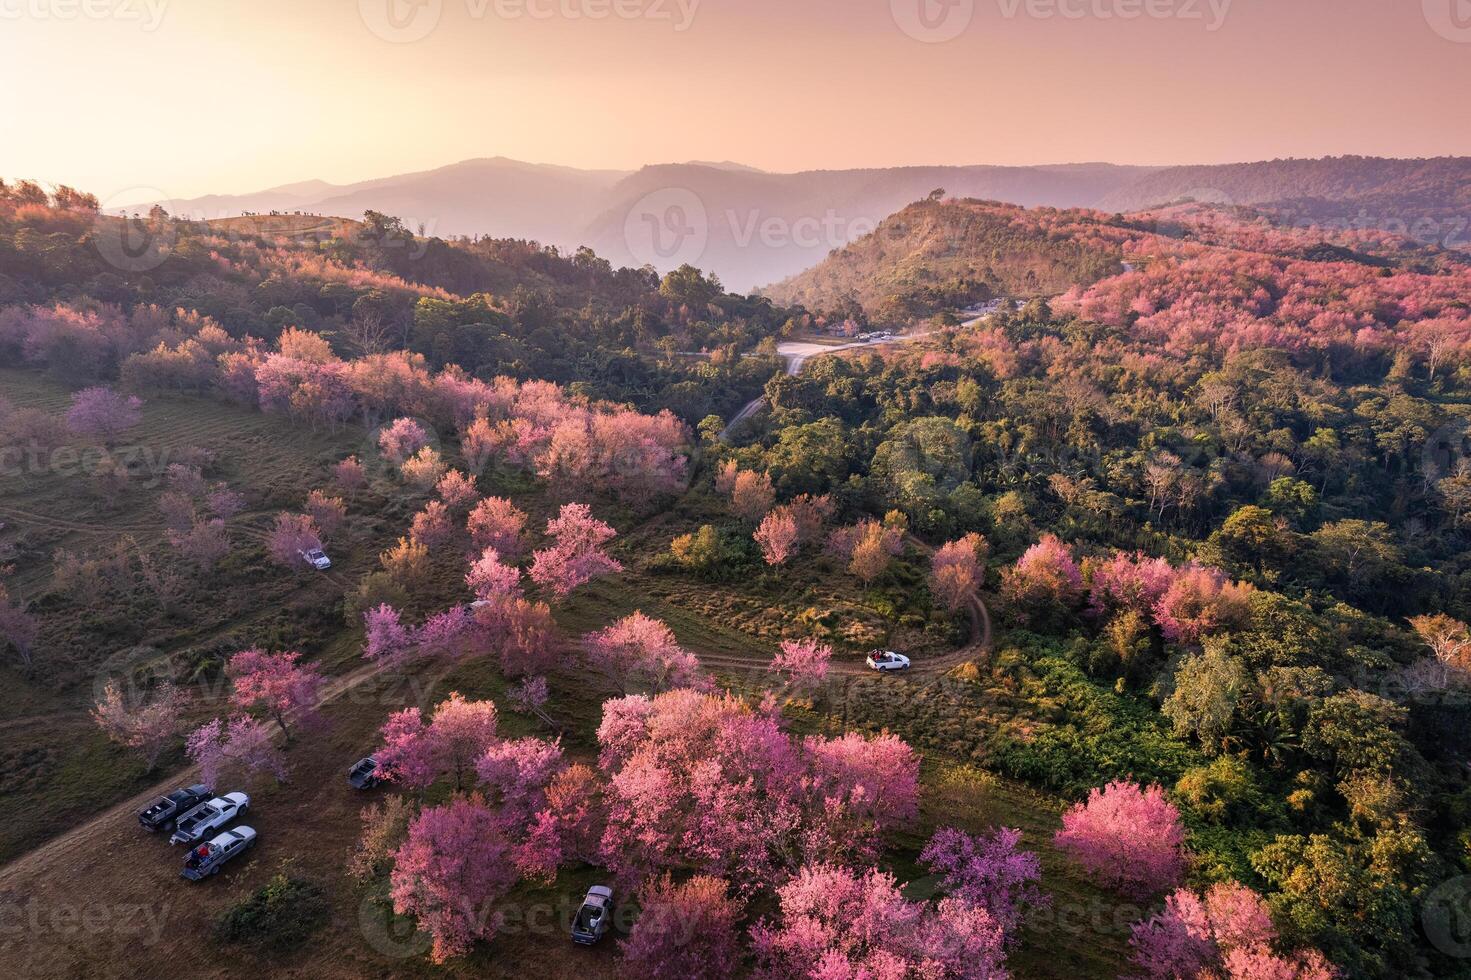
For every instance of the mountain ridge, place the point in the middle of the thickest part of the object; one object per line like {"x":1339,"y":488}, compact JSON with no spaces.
{"x":754,"y":227}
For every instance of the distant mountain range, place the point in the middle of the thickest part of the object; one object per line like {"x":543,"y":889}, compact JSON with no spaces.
{"x":754,"y":228}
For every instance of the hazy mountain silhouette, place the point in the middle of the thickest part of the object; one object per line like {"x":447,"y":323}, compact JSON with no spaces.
{"x":754,"y":228}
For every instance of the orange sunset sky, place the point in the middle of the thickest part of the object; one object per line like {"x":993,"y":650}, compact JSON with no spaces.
{"x":200,"y":96}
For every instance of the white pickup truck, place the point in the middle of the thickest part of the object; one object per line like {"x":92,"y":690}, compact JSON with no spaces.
{"x":209,"y":817}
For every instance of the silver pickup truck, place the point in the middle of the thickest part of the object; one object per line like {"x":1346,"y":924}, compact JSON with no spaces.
{"x":206,"y":818}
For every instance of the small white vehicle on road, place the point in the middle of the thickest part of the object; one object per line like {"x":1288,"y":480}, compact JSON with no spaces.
{"x":207,"y":859}
{"x":317,"y":558}
{"x":886,"y":660}
{"x":206,"y":818}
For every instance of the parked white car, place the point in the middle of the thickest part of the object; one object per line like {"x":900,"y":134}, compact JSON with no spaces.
{"x":882,"y":660}
{"x":207,"y":859}
{"x":317,"y":558}
{"x":206,"y":818}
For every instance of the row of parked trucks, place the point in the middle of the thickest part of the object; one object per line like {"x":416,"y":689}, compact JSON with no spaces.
{"x":195,"y":816}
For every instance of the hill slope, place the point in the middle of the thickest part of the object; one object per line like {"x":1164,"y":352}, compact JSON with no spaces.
{"x":1428,"y":199}
{"x":936,"y":255}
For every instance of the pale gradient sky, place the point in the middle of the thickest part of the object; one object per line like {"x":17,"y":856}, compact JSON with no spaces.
{"x":238,"y":95}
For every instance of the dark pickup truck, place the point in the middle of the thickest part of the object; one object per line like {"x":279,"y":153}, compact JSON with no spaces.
{"x":167,"y":809}
{"x":364,"y":773}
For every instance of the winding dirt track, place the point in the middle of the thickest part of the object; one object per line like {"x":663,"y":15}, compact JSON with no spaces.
{"x":108,"y":860}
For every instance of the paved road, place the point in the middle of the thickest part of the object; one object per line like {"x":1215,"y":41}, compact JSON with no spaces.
{"x":796,"y":354}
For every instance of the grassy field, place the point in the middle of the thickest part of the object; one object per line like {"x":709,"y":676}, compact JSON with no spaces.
{"x":55,"y":767}
{"x":57,"y":772}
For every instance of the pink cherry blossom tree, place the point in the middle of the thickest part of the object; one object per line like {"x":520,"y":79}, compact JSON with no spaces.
{"x":519,"y":631}
{"x":432,"y":526}
{"x":458,"y":492}
{"x":867,"y":785}
{"x":1128,"y":838}
{"x":148,"y":727}
{"x":576,"y":555}
{"x":838,"y":923}
{"x":778,"y":537}
{"x":1044,"y":578}
{"x":685,"y":930}
{"x":639,"y":651}
{"x":802,"y":664}
{"x":202,"y":545}
{"x":515,"y":775}
{"x":401,"y":439}
{"x":241,"y":746}
{"x":389,"y":641}
{"x":751,"y":494}
{"x":1199,"y":601}
{"x":1227,"y":932}
{"x":223,"y":502}
{"x":454,"y":866}
{"x":277,"y":684}
{"x":102,"y":414}
{"x":1133,"y":582}
{"x":416,"y":754}
{"x":957,"y":570}
{"x":349,"y":476}
{"x":987,"y":870}
{"x":292,"y":535}
{"x":703,"y":782}
{"x":497,"y":523}
{"x":448,"y":635}
{"x":327,"y":512}
{"x":530,"y":697}
{"x":492,"y":579}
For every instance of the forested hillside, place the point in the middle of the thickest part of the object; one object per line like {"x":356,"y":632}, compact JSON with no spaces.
{"x":1178,"y":552}
{"x":943,"y":255}
{"x":490,"y":306}
{"x":1429,"y":200}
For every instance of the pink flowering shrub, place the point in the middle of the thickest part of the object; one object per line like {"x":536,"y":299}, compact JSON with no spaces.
{"x":1125,"y":837}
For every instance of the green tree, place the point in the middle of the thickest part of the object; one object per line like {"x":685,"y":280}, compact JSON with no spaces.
{"x":1208,"y":689}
